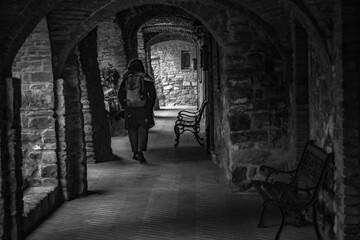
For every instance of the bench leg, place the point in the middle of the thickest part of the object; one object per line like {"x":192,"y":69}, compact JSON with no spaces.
{"x":316,"y":225}
{"x":261,"y":222}
{"x":281,"y":225}
{"x":199,"y":139}
{"x":177,"y":134}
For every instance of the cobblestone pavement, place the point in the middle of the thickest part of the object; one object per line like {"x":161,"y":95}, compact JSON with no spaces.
{"x":180,"y":194}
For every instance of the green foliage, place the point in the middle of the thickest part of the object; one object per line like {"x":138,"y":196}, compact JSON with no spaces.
{"x":110,"y":83}
{"x":109,"y":78}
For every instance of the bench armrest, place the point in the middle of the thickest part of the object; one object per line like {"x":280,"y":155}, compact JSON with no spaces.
{"x":290,"y":197}
{"x":187,"y":112}
{"x":187,"y":115}
{"x":274,"y":171}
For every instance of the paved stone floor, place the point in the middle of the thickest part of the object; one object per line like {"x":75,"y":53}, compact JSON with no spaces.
{"x":180,"y":194}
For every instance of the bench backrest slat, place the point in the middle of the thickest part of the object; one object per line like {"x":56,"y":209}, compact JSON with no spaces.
{"x":312,"y":166}
{"x":201,"y":111}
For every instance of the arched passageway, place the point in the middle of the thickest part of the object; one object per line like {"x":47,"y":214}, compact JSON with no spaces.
{"x":275,"y":73}
{"x":180,"y":194}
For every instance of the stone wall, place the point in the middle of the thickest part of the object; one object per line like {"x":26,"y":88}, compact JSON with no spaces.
{"x":111,"y":56}
{"x":174,"y":86}
{"x":110,"y":47}
{"x":258,"y":98}
{"x":33,"y":66}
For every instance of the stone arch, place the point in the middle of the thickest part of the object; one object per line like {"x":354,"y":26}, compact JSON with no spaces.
{"x":25,"y":26}
{"x":27,"y":20}
{"x":309,"y":22}
{"x":209,"y":20}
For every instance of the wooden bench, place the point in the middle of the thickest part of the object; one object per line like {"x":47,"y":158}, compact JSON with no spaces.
{"x":301,"y":191}
{"x":189,"y":121}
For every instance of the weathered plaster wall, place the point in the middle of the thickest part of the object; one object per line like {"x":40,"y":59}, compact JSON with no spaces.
{"x":174,"y":86}
{"x":33,"y":66}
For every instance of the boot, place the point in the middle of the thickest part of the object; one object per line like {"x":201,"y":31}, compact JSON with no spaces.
{"x":141,"y":158}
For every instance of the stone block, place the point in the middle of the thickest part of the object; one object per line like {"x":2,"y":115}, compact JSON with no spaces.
{"x":48,"y":136}
{"x":34,"y":182}
{"x":238,"y":174}
{"x":261,"y":120}
{"x":35,"y":156}
{"x":240,"y":93}
{"x":49,"y":157}
{"x":239,"y":122}
{"x":30,"y":168}
{"x":49,"y":182}
{"x":256,"y":60}
{"x":270,"y":80}
{"x":42,"y":77}
{"x":250,"y":156}
{"x":252,"y":172}
{"x":352,"y":210}
{"x":30,"y":137}
{"x":246,"y":145}
{"x":252,"y":136}
{"x":243,"y":35}
{"x":351,"y":229}
{"x":49,"y":146}
{"x":239,"y":47}
{"x":352,"y":220}
{"x":236,"y":61}
{"x":274,"y":135}
{"x":49,"y":171}
{"x":41,"y":122}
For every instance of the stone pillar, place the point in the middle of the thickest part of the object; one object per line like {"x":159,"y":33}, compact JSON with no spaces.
{"x":61,"y":137}
{"x":347,"y":177}
{"x":76,"y":182}
{"x":88,"y":128}
{"x":213,"y":76}
{"x":11,"y":158}
{"x":100,"y":122}
{"x":301,"y":77}
{"x":141,"y":48}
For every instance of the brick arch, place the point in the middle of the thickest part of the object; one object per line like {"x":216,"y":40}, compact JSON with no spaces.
{"x":210,"y":20}
{"x":29,"y":17}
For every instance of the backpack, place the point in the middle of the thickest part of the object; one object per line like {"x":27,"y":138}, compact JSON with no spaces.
{"x":135,"y":94}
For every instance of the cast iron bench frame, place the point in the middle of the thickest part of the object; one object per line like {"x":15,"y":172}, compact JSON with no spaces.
{"x":189,"y":121}
{"x":293,"y":196}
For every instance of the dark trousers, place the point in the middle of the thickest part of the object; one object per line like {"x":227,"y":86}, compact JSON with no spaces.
{"x":138,"y":139}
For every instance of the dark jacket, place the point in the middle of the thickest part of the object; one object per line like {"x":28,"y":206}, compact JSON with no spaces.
{"x":143,"y":116}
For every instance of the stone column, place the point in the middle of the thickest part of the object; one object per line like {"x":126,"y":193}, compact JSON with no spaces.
{"x":88,"y":128}
{"x":11,"y":158}
{"x":301,"y":77}
{"x":100,"y":122}
{"x":76,"y":182}
{"x":61,"y":136}
{"x":347,"y":177}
